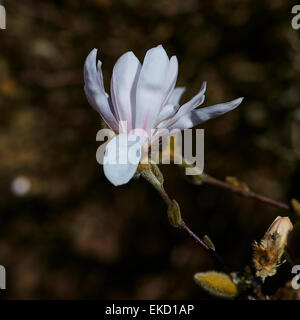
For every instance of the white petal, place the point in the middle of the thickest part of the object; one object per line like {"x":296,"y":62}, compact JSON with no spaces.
{"x":171,"y":78}
{"x":156,"y":81}
{"x":123,"y":86}
{"x":176,"y":95}
{"x":167,"y":111}
{"x":172,"y":106}
{"x":198,"y":116}
{"x":195,"y":102}
{"x":94,"y":89}
{"x":121,"y":159}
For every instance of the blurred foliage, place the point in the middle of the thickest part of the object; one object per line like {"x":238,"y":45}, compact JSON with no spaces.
{"x":66,"y":232}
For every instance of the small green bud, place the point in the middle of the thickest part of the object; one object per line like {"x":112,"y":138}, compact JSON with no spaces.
{"x":174,"y":214}
{"x":296,"y":207}
{"x":149,"y":175}
{"x":209,"y":243}
{"x":157,"y":173}
{"x":237,"y":183}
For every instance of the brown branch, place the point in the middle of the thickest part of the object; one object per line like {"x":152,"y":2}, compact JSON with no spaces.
{"x":159,"y":187}
{"x":249,"y":194}
{"x":168,"y":202}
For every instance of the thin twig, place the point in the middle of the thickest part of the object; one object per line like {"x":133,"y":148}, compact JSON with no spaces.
{"x":242,"y":192}
{"x":184,"y":227}
{"x":249,"y":194}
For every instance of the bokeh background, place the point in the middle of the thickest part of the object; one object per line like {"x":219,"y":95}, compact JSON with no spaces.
{"x":65,"y":231}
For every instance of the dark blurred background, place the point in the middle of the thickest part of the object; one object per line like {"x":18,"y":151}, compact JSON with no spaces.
{"x":65,"y":231}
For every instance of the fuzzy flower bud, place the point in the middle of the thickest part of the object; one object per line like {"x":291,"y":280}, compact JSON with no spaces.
{"x":281,"y":226}
{"x":267,"y":254}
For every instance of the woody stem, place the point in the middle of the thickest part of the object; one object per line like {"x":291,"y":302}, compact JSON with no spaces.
{"x":245,"y":193}
{"x":184,"y":227}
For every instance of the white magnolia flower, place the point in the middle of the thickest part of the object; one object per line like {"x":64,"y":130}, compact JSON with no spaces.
{"x":145,"y":97}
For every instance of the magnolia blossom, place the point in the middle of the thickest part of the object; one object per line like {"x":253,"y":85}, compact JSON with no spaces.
{"x":143,"y":103}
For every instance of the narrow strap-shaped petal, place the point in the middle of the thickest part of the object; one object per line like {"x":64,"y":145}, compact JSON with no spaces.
{"x":94,"y":89}
{"x":198,"y":116}
{"x":171,"y":78}
{"x":195,"y":102}
{"x":167,"y":111}
{"x":123,"y":86}
{"x":122,"y":157}
{"x":156,"y":82}
{"x":176,"y":95}
{"x":172,"y":105}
